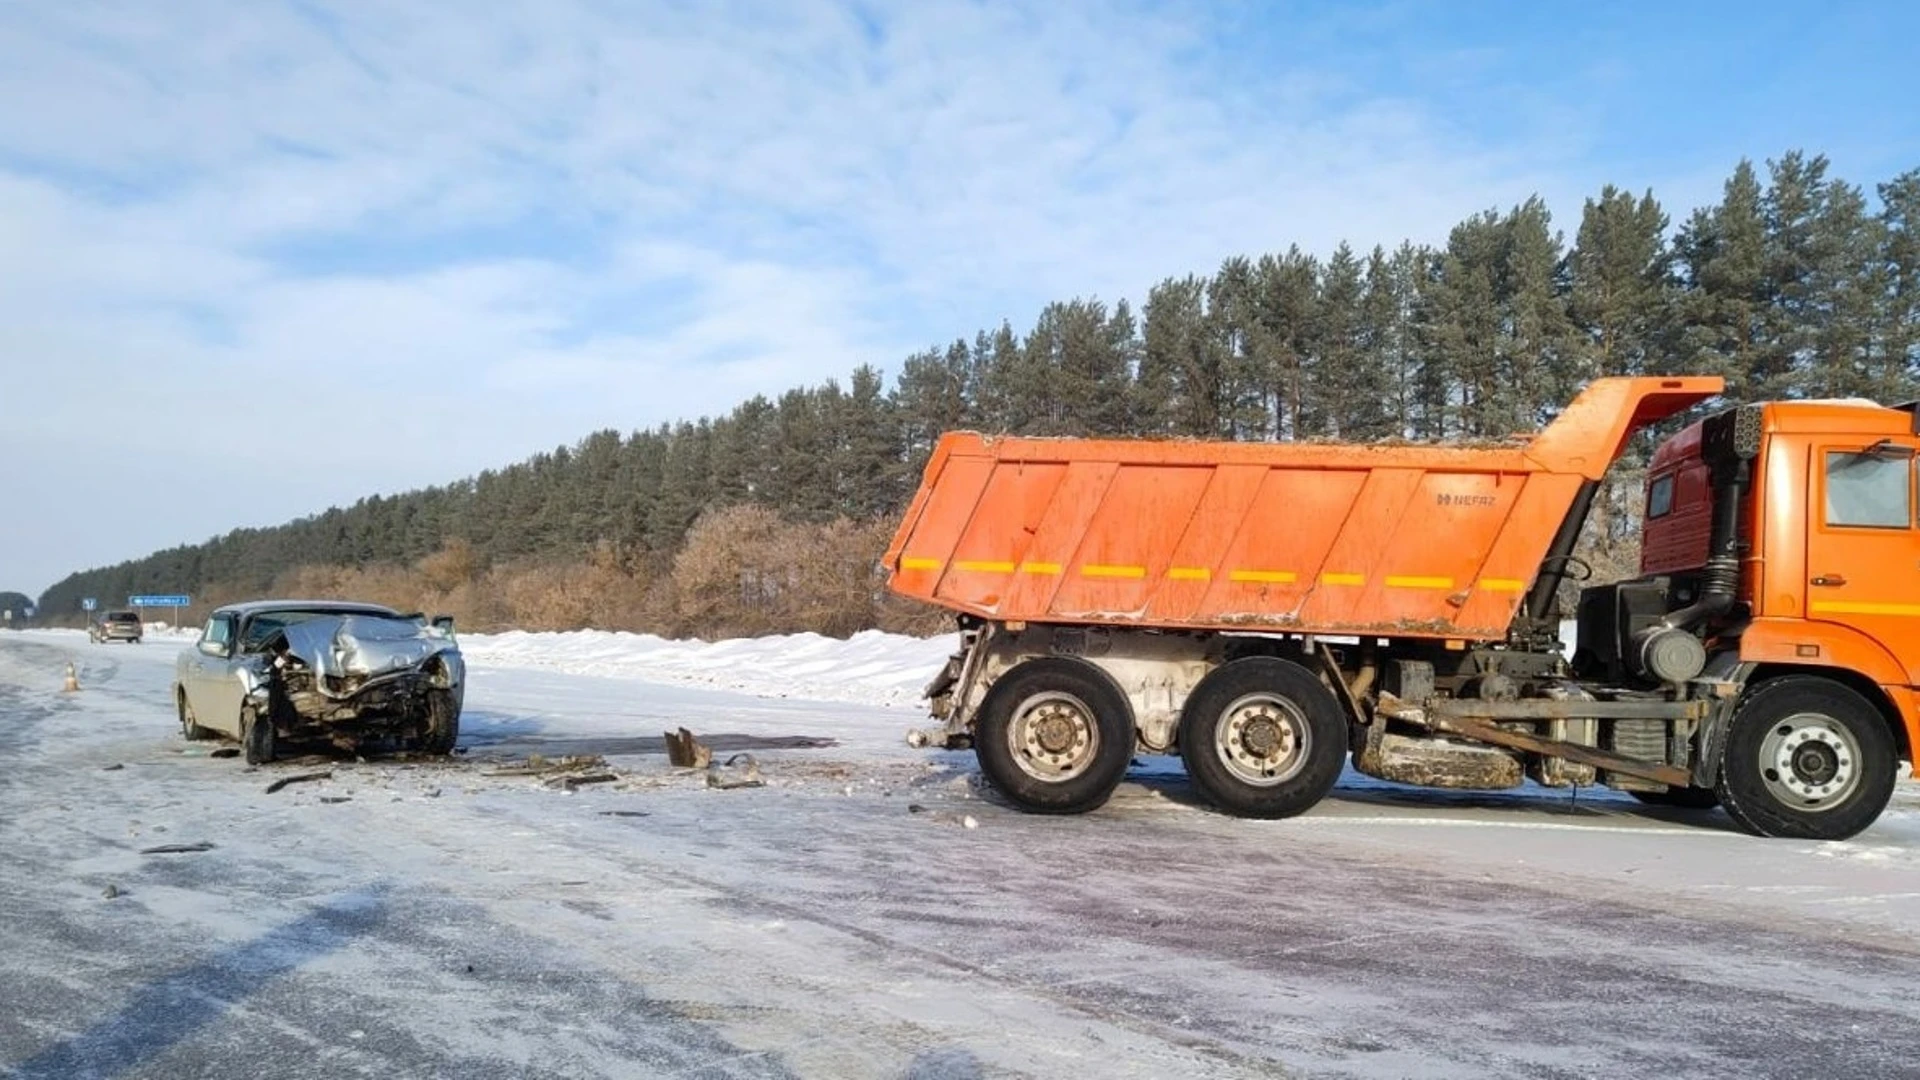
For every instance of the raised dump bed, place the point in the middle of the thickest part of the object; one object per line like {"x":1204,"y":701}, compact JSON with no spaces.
{"x":1404,"y":540}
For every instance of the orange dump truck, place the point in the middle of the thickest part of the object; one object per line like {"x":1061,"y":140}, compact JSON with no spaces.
{"x":1268,"y":610}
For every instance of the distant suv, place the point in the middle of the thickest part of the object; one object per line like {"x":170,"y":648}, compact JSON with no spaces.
{"x":116,"y":626}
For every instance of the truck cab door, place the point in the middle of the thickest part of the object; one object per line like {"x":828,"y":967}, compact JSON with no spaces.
{"x":1863,"y":552}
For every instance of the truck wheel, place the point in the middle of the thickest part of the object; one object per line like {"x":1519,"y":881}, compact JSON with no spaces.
{"x":443,"y":723}
{"x":1806,"y":758}
{"x":1263,"y":738}
{"x":1055,"y":736}
{"x":189,"y":730}
{"x":256,"y":736}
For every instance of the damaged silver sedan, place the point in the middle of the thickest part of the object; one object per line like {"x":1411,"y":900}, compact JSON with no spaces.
{"x":270,"y":673}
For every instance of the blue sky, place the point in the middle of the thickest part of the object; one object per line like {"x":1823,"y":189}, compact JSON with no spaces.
{"x":267,"y":257}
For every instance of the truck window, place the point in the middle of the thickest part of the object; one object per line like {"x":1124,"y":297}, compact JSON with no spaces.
{"x":1660,"y":497}
{"x":1869,"y":490}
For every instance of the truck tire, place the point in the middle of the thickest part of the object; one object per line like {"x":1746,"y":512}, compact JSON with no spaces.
{"x":1054,"y":736}
{"x":256,"y":736}
{"x":1806,"y":758}
{"x":1263,"y":738}
{"x":443,"y":723}
{"x":189,"y":730}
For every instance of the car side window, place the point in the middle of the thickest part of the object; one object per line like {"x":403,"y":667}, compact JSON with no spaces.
{"x":1869,"y":490}
{"x":219,"y":631}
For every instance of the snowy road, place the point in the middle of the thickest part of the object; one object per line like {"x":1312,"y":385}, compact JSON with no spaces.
{"x":431,"y":921}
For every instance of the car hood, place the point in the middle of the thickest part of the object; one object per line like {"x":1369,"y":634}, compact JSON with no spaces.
{"x":366,"y":646}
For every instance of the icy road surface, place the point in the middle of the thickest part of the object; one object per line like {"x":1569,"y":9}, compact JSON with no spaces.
{"x":427,"y":920}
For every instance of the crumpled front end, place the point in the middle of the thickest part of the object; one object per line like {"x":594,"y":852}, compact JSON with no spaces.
{"x":348,"y":678}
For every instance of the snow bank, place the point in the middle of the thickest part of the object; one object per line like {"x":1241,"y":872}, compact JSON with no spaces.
{"x":870,"y":668}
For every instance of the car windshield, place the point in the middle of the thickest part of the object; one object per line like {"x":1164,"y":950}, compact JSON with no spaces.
{"x":122,"y":616}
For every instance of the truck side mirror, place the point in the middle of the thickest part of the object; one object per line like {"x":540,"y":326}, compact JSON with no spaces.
{"x":213,"y":648}
{"x":444,"y":624}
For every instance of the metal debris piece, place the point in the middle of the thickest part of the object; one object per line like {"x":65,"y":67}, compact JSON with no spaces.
{"x":110,"y":892}
{"x":178,"y":849}
{"x":298,"y":778}
{"x":115,"y":767}
{"x":739,"y":771}
{"x":686,"y":752}
{"x":626,"y":813}
{"x":224,"y":751}
{"x":336,"y":798}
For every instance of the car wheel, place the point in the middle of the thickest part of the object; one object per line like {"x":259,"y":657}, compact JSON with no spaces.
{"x":1054,"y":736}
{"x":443,"y":723}
{"x":189,"y":730}
{"x":256,"y":736}
{"x":1263,"y":738}
{"x":1806,"y":758}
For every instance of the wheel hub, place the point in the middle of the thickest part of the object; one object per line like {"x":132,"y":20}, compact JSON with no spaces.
{"x":1261,"y":736}
{"x":1054,"y":732}
{"x":1809,"y":762}
{"x":1053,"y":737}
{"x":1815,"y":763}
{"x":1262,"y":739}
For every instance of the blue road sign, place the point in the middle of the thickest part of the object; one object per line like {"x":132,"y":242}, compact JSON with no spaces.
{"x":89,"y":603}
{"x":158,"y":601}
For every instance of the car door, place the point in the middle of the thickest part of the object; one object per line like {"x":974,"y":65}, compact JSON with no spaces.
{"x":1863,"y":551}
{"x":209,"y":674}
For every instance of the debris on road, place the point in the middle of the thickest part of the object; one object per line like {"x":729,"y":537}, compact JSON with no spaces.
{"x":739,"y":771}
{"x":224,"y":752}
{"x":336,"y":798}
{"x":536,"y":765}
{"x":72,"y":684}
{"x":115,"y":767}
{"x":626,"y":813}
{"x":686,"y":752}
{"x":299,"y":778}
{"x":110,"y":892}
{"x":569,"y":783}
{"x":178,"y":849}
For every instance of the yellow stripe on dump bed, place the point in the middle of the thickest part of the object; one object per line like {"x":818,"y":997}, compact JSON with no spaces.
{"x":1264,"y":577}
{"x":921,"y":564}
{"x":1098,"y":570}
{"x":1503,"y":584}
{"x":1189,"y":573}
{"x":1343,"y":579}
{"x":983,"y":567}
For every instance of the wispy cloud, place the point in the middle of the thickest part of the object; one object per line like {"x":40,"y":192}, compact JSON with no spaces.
{"x":284,"y":241}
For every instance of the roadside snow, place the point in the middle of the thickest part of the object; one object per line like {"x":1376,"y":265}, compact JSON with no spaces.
{"x":870,"y":668}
